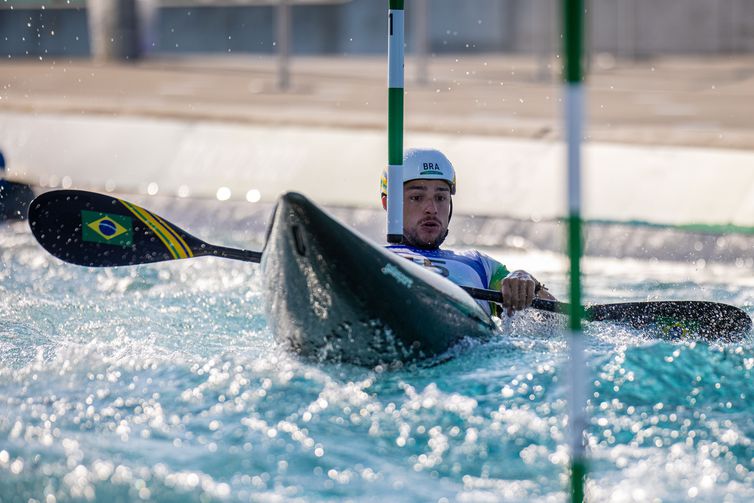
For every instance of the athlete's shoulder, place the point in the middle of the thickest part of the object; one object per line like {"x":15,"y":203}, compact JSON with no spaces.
{"x":484,"y":257}
{"x":493,"y":267}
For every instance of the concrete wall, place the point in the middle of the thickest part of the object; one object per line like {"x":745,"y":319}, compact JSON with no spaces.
{"x":642,"y":28}
{"x":624,"y":27}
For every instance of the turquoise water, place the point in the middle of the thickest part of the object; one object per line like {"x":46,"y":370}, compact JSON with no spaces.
{"x":163,"y":383}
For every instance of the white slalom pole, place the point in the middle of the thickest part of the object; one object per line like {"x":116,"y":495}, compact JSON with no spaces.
{"x":395,"y":122}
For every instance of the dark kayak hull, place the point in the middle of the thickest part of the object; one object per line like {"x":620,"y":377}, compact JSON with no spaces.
{"x":331,"y":294}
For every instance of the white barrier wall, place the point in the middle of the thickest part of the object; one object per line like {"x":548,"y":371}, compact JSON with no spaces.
{"x":506,"y":177}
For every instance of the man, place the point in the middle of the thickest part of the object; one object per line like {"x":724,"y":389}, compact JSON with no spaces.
{"x":429,"y":182}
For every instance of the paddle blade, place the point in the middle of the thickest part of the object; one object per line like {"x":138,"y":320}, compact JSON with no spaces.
{"x":678,"y":319}
{"x":97,"y":230}
{"x":674,"y":320}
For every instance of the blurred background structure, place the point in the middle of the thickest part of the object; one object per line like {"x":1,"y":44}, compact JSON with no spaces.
{"x":130,"y":28}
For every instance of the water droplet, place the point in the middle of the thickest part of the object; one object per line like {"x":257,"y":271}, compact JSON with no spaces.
{"x":253,"y":196}
{"x":223,"y":194}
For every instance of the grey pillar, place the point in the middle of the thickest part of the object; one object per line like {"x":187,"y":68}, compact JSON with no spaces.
{"x":283,"y":35}
{"x":542,"y":31}
{"x":588,"y":35}
{"x":627,"y":12}
{"x":147,"y":24}
{"x":113,"y":29}
{"x":99,"y":17}
{"x":420,"y":15}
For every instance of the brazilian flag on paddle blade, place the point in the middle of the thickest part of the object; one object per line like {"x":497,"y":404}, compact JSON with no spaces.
{"x":675,"y":329}
{"x":98,"y":227}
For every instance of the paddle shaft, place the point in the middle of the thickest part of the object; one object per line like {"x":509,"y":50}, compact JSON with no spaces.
{"x":234,"y":253}
{"x":478,"y":293}
{"x":497,"y":297}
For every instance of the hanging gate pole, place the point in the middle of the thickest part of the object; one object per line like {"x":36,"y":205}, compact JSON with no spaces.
{"x":573,"y":18}
{"x":395,"y":121}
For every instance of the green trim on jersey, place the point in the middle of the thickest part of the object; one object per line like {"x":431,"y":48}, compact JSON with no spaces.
{"x":496,"y":283}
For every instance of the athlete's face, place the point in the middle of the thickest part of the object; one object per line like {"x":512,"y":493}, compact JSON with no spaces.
{"x":426,"y":212}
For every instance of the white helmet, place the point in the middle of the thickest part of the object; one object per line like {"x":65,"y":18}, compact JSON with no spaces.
{"x":424,"y":164}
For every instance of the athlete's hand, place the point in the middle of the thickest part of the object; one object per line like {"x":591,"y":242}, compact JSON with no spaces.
{"x":518,"y":291}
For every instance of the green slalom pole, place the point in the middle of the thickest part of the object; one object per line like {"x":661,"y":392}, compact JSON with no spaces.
{"x":395,"y":121}
{"x":573,"y":17}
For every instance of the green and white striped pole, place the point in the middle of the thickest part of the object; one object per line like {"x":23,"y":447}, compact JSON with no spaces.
{"x":573,"y":17}
{"x":395,"y":121}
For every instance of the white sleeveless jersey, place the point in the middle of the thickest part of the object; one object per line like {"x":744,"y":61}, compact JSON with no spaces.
{"x":464,"y":268}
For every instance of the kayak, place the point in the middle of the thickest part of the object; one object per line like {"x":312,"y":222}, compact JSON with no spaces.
{"x":333,"y":295}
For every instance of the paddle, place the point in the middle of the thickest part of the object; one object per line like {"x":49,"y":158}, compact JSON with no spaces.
{"x":97,"y":230}
{"x":668,"y":319}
